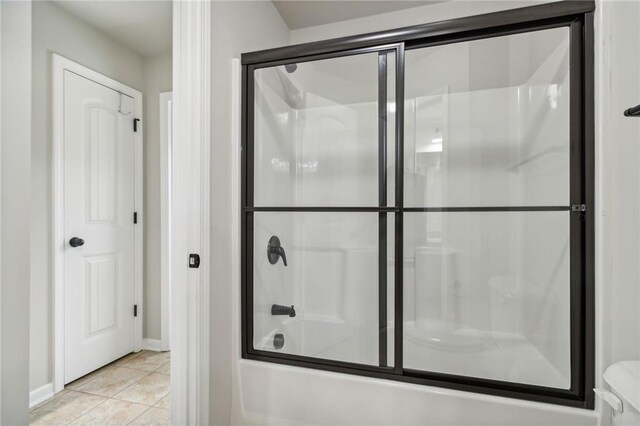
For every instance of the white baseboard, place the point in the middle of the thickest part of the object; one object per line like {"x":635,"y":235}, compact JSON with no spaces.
{"x":152,"y":344}
{"x":41,"y":394}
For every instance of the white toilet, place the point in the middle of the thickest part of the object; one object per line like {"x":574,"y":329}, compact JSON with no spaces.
{"x":624,"y":380}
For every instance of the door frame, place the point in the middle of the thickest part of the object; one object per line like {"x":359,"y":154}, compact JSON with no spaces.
{"x":190,"y":212}
{"x":60,"y":64}
{"x":166,"y":140}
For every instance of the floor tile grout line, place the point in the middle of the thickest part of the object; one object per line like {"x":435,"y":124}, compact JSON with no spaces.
{"x":135,"y":402}
{"x":158,"y":402}
{"x":104,"y":399}
{"x":168,"y":362}
{"x":91,"y":380}
{"x":44,"y":403}
{"x":75,"y":418}
{"x":131,"y":402}
{"x":78,"y":390}
{"x":112,"y":365}
{"x":167,"y":392}
{"x":141,"y":414}
{"x":107,"y":398}
{"x":126,"y":387}
{"x":131,"y":422}
{"x":156,"y":367}
{"x":146,"y":407}
{"x":136,"y":418}
{"x":50,"y":400}
{"x":141,"y":403}
{"x":87,"y":412}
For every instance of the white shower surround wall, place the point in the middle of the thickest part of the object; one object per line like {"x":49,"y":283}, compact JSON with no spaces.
{"x":264,"y":393}
{"x":504,"y":140}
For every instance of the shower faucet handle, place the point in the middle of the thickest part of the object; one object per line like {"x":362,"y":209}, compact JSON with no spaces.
{"x":282,"y":254}
{"x":276,"y":251}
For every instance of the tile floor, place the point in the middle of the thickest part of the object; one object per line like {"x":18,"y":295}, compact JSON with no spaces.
{"x":133,"y":390}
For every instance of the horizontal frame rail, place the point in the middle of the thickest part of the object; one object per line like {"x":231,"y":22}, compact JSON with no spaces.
{"x":490,"y":209}
{"x":461,"y":383}
{"x":433,"y":29}
{"x":304,"y":209}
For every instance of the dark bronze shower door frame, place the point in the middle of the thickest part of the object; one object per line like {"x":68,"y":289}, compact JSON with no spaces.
{"x":577,"y":16}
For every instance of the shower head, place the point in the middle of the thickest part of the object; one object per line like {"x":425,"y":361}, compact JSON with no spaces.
{"x":291,"y":68}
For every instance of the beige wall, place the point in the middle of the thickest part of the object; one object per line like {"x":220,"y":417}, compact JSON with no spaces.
{"x":618,"y":181}
{"x":15,"y":100}
{"x":157,"y":79}
{"x":57,"y":31}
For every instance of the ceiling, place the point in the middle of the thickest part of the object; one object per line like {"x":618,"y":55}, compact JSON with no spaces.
{"x":308,"y":13}
{"x":144,"y":26}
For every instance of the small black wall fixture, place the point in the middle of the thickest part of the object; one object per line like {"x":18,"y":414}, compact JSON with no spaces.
{"x":278,"y":341}
{"x":632,"y":112}
{"x":194,"y":260}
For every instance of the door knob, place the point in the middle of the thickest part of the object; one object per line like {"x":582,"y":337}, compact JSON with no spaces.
{"x":76,"y":242}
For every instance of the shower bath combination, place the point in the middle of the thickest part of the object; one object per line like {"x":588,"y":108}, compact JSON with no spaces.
{"x":434,"y":186}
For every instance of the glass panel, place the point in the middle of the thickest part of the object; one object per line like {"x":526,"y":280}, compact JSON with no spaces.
{"x":331,"y":279}
{"x":487,"y":122}
{"x":391,"y":129}
{"x":316,"y":132}
{"x":487,"y":295}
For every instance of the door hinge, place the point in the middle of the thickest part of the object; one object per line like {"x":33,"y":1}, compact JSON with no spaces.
{"x":135,"y":310}
{"x":135,"y":217}
{"x":135,"y":124}
{"x":194,"y":260}
{"x":578,"y":208}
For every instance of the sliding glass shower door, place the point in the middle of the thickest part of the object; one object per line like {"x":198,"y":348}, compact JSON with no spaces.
{"x":487,"y":218}
{"x":324,"y":149}
{"x":417,"y":206}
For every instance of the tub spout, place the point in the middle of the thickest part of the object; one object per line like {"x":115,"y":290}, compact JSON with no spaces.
{"x":283,"y":310}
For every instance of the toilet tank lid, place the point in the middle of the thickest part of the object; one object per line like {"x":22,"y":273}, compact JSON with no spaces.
{"x":624,"y":379}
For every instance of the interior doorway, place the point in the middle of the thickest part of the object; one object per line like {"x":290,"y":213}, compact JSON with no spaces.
{"x":100,"y":296}
{"x":97,"y":195}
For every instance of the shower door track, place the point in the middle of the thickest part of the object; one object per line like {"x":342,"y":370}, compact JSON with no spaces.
{"x":577,"y":16}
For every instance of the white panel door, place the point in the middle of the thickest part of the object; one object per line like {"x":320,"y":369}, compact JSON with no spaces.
{"x":99,"y":206}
